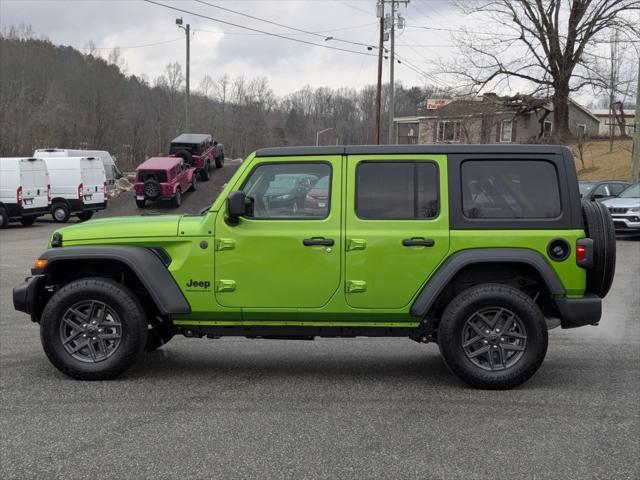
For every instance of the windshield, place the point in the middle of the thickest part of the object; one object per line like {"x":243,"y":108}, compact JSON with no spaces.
{"x":632,"y":192}
{"x":586,"y":187}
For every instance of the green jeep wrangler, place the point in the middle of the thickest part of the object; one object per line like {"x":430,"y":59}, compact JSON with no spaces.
{"x":480,"y":248}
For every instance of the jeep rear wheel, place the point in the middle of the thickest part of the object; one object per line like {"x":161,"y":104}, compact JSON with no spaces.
{"x":205,"y":173}
{"x":93,"y":329}
{"x":493,"y":336}
{"x":600,"y":229}
{"x":220,"y":161}
{"x":194,"y":183}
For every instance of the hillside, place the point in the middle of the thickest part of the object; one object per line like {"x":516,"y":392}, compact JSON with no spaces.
{"x":600,"y":164}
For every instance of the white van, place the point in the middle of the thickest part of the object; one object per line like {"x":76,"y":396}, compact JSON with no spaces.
{"x":110,"y":169}
{"x":78,"y":186}
{"x":24,"y":190}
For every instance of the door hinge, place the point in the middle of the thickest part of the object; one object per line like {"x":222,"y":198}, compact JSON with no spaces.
{"x":356,"y":286}
{"x":225,"y":244}
{"x":356,"y":244}
{"x":225,"y":285}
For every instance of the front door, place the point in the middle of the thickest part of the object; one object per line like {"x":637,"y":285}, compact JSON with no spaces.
{"x":287,"y":253}
{"x":396,"y":227}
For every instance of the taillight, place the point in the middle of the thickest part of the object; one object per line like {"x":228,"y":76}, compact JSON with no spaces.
{"x":584,"y":252}
{"x":80,"y":194}
{"x":49,"y":193}
{"x":581,"y":253}
{"x":19,"y":195}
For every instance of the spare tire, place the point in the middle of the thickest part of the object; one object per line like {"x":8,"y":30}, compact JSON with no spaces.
{"x":151,"y":189}
{"x":186,"y":156}
{"x":599,"y":226}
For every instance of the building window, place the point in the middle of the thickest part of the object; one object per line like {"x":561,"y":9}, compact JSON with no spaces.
{"x":408,"y":133}
{"x":547,"y":129}
{"x":448,"y":131}
{"x":506,"y":129}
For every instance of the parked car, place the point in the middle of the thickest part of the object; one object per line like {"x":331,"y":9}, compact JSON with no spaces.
{"x":394,"y":253}
{"x":163,"y":179}
{"x":200,"y":151}
{"x":601,"y":189}
{"x":625,"y":210}
{"x":78,"y":186}
{"x":317,"y":198}
{"x":111,"y":171}
{"x":24,"y":190}
{"x":285,"y":193}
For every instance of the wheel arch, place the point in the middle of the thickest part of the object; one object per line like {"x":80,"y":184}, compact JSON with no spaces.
{"x":60,"y":200}
{"x":528,"y":264}
{"x":139,"y":266}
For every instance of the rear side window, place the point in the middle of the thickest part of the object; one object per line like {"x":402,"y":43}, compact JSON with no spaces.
{"x":510,"y":189}
{"x":396,"y":190}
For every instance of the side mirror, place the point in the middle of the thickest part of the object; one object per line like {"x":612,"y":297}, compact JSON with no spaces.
{"x":238,"y":205}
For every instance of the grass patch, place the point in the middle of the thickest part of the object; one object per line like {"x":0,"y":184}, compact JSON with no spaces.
{"x":600,"y":164}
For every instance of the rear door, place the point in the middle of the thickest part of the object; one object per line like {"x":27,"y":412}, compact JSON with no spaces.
{"x":93,"y":180}
{"x":396,"y":227}
{"x":34,"y":181}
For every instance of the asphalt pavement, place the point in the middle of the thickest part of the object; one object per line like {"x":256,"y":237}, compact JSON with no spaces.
{"x":331,"y":408}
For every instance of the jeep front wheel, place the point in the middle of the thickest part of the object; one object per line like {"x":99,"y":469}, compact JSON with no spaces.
{"x":93,"y":329}
{"x":176,"y":201}
{"x":493,"y":336}
{"x":205,"y":173}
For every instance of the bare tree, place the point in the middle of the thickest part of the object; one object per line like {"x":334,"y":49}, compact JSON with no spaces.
{"x":543,"y":42}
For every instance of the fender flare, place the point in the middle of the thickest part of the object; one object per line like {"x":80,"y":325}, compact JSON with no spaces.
{"x":145,"y":264}
{"x":456,"y":262}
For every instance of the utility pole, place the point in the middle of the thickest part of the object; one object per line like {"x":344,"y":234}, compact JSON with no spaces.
{"x":187,"y":117}
{"x":392,"y":105}
{"x":635,"y":156}
{"x":380,"y":55}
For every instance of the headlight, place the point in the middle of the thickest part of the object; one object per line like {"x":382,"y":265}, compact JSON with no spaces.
{"x":634,"y":209}
{"x":284,"y":197}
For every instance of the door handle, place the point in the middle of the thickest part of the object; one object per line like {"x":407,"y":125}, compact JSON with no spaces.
{"x":418,"y":242}
{"x":325,"y":242}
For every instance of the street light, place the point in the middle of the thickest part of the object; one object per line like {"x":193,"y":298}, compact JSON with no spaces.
{"x":187,"y":31}
{"x":321,"y":131}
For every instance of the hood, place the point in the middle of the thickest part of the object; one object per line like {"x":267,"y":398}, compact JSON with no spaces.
{"x":622,"y":202}
{"x":143,"y":226}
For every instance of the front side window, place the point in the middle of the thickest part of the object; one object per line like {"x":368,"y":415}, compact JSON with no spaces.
{"x":290,"y":190}
{"x":448,"y":131}
{"x":525,"y":189}
{"x":396,"y":190}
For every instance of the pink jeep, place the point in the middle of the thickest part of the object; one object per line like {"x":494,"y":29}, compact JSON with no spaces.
{"x":198,"y":150}
{"x":163,"y":178}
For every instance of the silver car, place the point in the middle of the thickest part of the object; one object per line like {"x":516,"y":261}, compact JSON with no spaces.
{"x":625,"y":210}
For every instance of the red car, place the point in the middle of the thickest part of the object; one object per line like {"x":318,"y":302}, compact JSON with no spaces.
{"x":163,"y":178}
{"x":317,"y":200}
{"x":200,"y":151}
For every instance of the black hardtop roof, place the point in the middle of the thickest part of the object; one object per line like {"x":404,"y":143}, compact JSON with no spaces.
{"x":191,"y":138}
{"x":491,"y":149}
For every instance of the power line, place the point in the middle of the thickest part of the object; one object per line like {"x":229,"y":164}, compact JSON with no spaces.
{"x":223,"y":32}
{"x":129,"y":46}
{"x":257,"y":30}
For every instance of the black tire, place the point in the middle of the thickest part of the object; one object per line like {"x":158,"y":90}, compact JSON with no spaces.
{"x":27,"y":221}
{"x":194,"y":183}
{"x":220,"y":161}
{"x":4,"y":218}
{"x":141,"y":203}
{"x":60,"y":212}
{"x":176,"y":201}
{"x":157,"y":336}
{"x":518,"y":365}
{"x":151,"y":189}
{"x":186,"y":156}
{"x":600,"y":229}
{"x":84,"y":216}
{"x":205,"y":173}
{"x":125,"y":310}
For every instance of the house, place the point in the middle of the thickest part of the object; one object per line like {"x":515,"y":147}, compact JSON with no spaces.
{"x":607,"y":121}
{"x":492,"y":119}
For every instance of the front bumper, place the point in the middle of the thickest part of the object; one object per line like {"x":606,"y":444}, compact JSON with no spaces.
{"x":629,"y":223}
{"x":25,"y":296}
{"x":578,"y":312}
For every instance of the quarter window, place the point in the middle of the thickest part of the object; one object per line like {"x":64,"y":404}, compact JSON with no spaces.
{"x":396,"y":190}
{"x":510,"y":189}
{"x":290,"y":190}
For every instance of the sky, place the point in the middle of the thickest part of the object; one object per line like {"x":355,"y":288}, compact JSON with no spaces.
{"x":218,"y":48}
